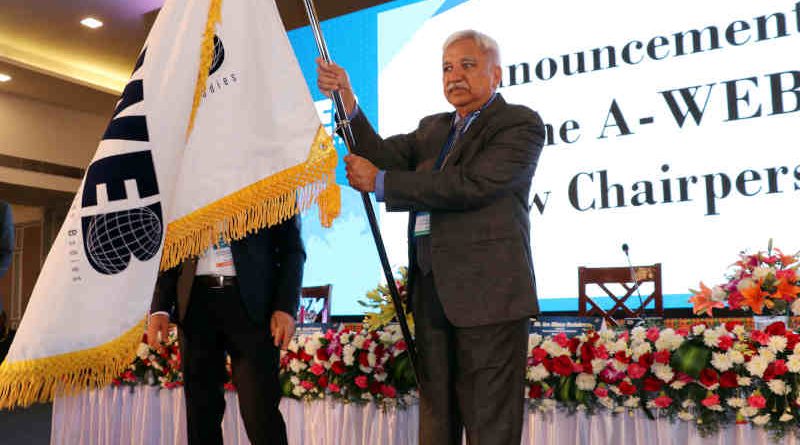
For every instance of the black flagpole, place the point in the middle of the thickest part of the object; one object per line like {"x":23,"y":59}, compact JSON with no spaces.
{"x":350,"y":142}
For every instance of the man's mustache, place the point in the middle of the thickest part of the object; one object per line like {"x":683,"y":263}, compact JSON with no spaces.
{"x":459,"y":84}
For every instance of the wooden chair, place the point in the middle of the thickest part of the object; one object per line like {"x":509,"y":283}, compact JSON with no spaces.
{"x":309,"y":296}
{"x":604,"y":277}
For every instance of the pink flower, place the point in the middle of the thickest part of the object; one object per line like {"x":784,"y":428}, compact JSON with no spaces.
{"x":307,"y":385}
{"x":712,"y":400}
{"x":757,"y":401}
{"x":662,"y":401}
{"x":361,"y":381}
{"x":317,"y":369}
{"x":611,"y":375}
{"x":601,"y":391}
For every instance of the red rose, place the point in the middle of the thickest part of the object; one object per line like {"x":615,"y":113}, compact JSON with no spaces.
{"x":573,"y":345}
{"x":562,"y":365}
{"x":601,"y":352}
{"x":652,"y":384}
{"x":388,"y":391}
{"x":757,"y":401}
{"x":636,"y":371}
{"x":791,"y":340}
{"x":731,"y":325}
{"x":621,"y":357}
{"x":662,"y":402}
{"x":662,"y":357}
{"x":535,"y":391}
{"x":775,"y":369}
{"x":653,"y":334}
{"x":587,"y":352}
{"x":363,"y":359}
{"x":777,"y":328}
{"x":361,"y":381}
{"x":322,"y":355}
{"x":728,"y":379}
{"x":323,"y":382}
{"x":712,"y":400}
{"x":725,"y":342}
{"x":561,"y":339}
{"x":735,"y":299}
{"x":646,"y":359}
{"x":759,"y":336}
{"x":338,"y":367}
{"x":400,"y":345}
{"x":627,"y":388}
{"x":539,"y":355}
{"x":374,"y":387}
{"x":709,"y":377}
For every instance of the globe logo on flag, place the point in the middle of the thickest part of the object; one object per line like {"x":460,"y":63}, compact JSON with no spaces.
{"x":219,"y":55}
{"x":113,"y":237}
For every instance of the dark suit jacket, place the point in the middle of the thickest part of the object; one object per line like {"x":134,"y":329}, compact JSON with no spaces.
{"x":480,"y":224}
{"x":269,"y":269}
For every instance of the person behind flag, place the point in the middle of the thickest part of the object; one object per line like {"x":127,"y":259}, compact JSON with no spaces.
{"x":6,"y":254}
{"x":240,"y":299}
{"x":465,"y":178}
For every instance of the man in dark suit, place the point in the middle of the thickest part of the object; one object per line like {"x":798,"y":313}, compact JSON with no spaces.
{"x":240,"y":299}
{"x":465,"y":178}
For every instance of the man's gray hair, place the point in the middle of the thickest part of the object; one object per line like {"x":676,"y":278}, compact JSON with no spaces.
{"x":486,"y":44}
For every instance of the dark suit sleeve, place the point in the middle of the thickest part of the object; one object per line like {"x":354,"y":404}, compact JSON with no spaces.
{"x":6,"y":237}
{"x":165,"y":294}
{"x":291,"y":256}
{"x":507,"y":161}
{"x":393,"y":153}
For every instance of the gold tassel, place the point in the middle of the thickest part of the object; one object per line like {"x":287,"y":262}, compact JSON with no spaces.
{"x":206,"y":57}
{"x":27,"y":382}
{"x":261,"y":204}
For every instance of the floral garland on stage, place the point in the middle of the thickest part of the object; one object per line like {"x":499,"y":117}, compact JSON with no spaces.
{"x":710,"y":376}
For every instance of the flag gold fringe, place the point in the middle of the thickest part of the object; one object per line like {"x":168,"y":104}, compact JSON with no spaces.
{"x":262,"y":204}
{"x":206,"y":57}
{"x":27,"y":382}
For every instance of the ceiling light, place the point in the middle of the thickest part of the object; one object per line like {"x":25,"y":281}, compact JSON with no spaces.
{"x":4,"y":77}
{"x":91,"y":22}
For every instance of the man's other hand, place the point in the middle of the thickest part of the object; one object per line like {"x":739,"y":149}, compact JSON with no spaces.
{"x":157,"y":331}
{"x":332,"y":77}
{"x":281,"y":325}
{"x":360,"y":173}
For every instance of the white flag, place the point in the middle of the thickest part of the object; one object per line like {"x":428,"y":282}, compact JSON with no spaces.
{"x":214,"y":136}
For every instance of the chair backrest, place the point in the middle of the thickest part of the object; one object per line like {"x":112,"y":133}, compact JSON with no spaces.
{"x":315,"y":304}
{"x":626,"y":305}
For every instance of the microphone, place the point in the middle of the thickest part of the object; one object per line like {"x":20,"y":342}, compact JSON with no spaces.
{"x":634,"y":278}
